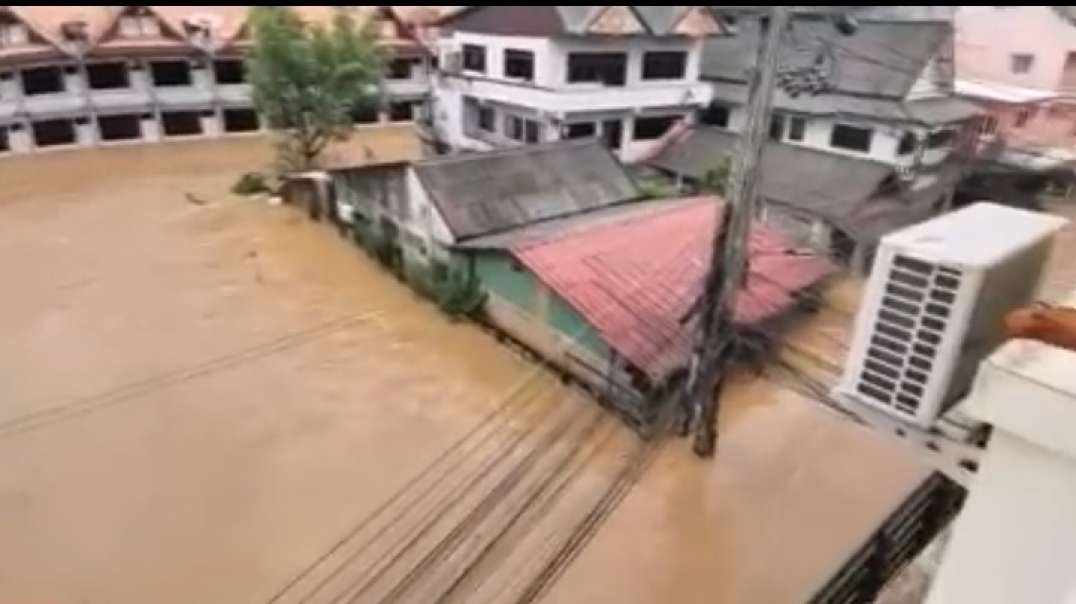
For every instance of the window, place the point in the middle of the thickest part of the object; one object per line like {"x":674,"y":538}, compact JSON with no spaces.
{"x":797,"y":127}
{"x":716,"y":115}
{"x":1021,"y":63}
{"x":777,"y":127}
{"x":49,"y":133}
{"x":400,"y":69}
{"x":140,"y":24}
{"x":474,"y":58}
{"x":105,"y":76}
{"x":1022,"y":118}
{"x":513,"y":127}
{"x":940,"y":138}
{"x":5,"y":144}
{"x":519,"y":64}
{"x":181,"y":123}
{"x":988,"y":126}
{"x":907,"y":143}
{"x":532,"y":131}
{"x":580,"y":130}
{"x":366,"y":114}
{"x":240,"y":120}
{"x":487,"y":119}
{"x":649,"y":128}
{"x":664,"y":65}
{"x":607,"y":68}
{"x":851,"y":138}
{"x":401,"y":111}
{"x":119,"y":127}
{"x":1068,"y":73}
{"x":229,"y":71}
{"x":171,"y":73}
{"x":12,"y":34}
{"x":42,"y":80}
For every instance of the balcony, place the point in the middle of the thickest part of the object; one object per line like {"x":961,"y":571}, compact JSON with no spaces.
{"x":60,"y":103}
{"x":120,"y":98}
{"x":235,"y":94}
{"x":181,"y":97}
{"x":581,"y":98}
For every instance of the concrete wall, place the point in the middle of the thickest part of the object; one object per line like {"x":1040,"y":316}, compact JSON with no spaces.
{"x":987,"y":36}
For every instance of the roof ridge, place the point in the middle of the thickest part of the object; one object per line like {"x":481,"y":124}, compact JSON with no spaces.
{"x":525,"y":149}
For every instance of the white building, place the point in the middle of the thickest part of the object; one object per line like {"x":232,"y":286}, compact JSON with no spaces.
{"x":511,"y":75}
{"x":92,"y":75}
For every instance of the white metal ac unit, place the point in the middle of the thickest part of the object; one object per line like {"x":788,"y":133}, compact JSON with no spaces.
{"x":934,"y":305}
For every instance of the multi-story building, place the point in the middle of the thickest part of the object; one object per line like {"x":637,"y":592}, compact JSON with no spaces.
{"x":864,"y":130}
{"x":511,"y":75}
{"x":91,"y":75}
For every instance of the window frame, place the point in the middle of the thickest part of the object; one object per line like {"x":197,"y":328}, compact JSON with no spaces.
{"x":521,"y":57}
{"x":722,"y":109}
{"x":576,"y":73}
{"x":1021,"y":62}
{"x":56,"y":69}
{"x":532,"y":131}
{"x":476,"y":54}
{"x":796,"y":124}
{"x":227,"y":65}
{"x":668,"y":120}
{"x":491,"y":114}
{"x":593,"y":130}
{"x":658,"y":57}
{"x":92,"y":68}
{"x":513,"y":127}
{"x":834,"y":134}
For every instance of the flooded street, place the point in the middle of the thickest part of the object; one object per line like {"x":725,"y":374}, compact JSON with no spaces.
{"x":207,"y":399}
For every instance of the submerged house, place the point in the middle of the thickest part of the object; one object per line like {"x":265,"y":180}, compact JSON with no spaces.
{"x":570,"y":262}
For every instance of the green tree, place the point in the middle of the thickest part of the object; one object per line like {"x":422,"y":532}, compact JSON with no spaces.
{"x":307,"y":79}
{"x":716,"y":179}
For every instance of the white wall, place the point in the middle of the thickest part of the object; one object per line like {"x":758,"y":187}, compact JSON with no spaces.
{"x":1015,"y":540}
{"x":426,"y":220}
{"x":635,"y":49}
{"x":544,"y":68}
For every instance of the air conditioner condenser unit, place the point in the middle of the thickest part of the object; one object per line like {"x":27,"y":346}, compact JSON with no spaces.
{"x":934,"y":305}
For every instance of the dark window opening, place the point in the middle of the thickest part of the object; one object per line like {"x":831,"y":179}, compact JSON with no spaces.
{"x":119,"y":127}
{"x":613,"y":133}
{"x":519,"y":64}
{"x":851,"y":138}
{"x":400,"y":69}
{"x":366,"y":114}
{"x":171,"y":73}
{"x":649,"y":128}
{"x":777,"y":127}
{"x":580,"y":130}
{"x":1022,"y":118}
{"x":229,"y":71}
{"x":513,"y":127}
{"x":664,"y":65}
{"x":42,"y":80}
{"x":105,"y":76}
{"x":797,"y":127}
{"x":1021,"y":63}
{"x":240,"y":120}
{"x":940,"y":138}
{"x":474,"y":58}
{"x":532,"y":131}
{"x":607,"y":68}
{"x":181,"y":123}
{"x":907,"y":143}
{"x":48,"y":133}
{"x":716,"y":115}
{"x":486,"y":119}
{"x":5,"y":143}
{"x":401,"y":111}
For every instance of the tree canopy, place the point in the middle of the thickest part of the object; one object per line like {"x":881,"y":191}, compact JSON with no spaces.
{"x":307,"y":79}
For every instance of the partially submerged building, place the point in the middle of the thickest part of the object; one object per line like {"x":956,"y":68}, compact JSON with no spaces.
{"x":82,"y":76}
{"x":571,"y":263}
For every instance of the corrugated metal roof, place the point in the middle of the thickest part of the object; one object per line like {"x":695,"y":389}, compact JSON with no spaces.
{"x":882,"y":58}
{"x":555,"y":20}
{"x":489,"y":192}
{"x":633,"y":279}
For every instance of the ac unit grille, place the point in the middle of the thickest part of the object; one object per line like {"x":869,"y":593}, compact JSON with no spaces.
{"x":910,"y":324}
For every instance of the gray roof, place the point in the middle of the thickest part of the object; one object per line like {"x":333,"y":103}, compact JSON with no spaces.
{"x":542,"y":20}
{"x":844,"y":191}
{"x":932,"y":111}
{"x":485,"y":193}
{"x":881,"y":58}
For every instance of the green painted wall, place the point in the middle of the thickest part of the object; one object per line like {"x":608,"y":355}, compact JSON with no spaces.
{"x":523,"y":289}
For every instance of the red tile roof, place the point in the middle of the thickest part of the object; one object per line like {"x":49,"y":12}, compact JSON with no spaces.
{"x":634,"y":279}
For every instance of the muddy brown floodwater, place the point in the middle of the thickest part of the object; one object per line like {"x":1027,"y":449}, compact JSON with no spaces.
{"x":208,"y":399}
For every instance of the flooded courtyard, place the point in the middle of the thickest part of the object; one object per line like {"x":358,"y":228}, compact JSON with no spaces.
{"x":208,"y":399}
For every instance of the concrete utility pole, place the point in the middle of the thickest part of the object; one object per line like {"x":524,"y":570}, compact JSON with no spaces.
{"x":714,"y":344}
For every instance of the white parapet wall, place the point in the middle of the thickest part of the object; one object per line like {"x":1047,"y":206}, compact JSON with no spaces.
{"x":1015,"y":540}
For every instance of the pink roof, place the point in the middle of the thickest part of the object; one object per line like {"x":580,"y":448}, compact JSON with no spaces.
{"x":633,"y":279}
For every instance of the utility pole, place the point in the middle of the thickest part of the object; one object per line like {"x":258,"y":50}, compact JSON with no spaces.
{"x":714,"y":344}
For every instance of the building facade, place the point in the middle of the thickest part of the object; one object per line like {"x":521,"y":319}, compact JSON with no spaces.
{"x":83,"y":76}
{"x":522,"y":75}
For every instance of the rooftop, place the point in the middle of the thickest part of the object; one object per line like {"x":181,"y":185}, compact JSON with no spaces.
{"x":541,"y":20}
{"x":484,"y":193}
{"x":1005,"y":93}
{"x":636,"y":276}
